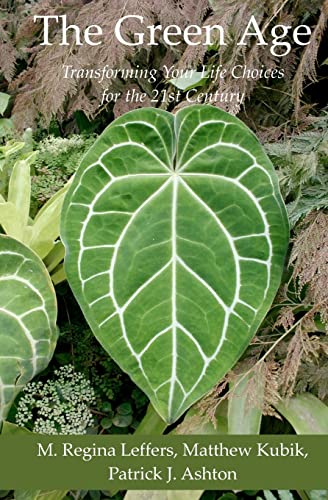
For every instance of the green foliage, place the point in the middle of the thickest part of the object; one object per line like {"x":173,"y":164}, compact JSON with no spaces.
{"x":114,"y":391}
{"x":59,"y":406}
{"x":190,"y":80}
{"x":131,"y":202}
{"x":41,"y":233}
{"x":57,"y":160}
{"x":302,"y":165}
{"x":28,"y":316}
{"x":7,"y":152}
{"x":122,"y":417}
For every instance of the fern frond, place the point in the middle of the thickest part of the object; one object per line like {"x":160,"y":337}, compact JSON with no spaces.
{"x":307,"y":66}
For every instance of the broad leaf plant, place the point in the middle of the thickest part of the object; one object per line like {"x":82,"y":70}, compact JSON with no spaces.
{"x":175,"y":235}
{"x":28,"y":314}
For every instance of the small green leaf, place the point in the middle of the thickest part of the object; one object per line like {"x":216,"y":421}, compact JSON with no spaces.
{"x":28,"y":313}
{"x":4,"y":101}
{"x":106,"y":423}
{"x":124,"y":409}
{"x":306,"y":413}
{"x":122,"y":420}
{"x":190,"y":80}
{"x":106,"y":407}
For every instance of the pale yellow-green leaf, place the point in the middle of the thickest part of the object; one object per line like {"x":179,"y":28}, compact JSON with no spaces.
{"x":55,"y":257}
{"x":11,"y":147}
{"x":27,"y":234}
{"x":151,"y":423}
{"x":46,"y":223}
{"x":19,"y":191}
{"x":41,"y":247}
{"x":59,"y":276}
{"x":10,"y":221}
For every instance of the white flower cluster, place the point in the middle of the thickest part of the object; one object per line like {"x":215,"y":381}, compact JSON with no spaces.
{"x":57,"y":145}
{"x":59,"y":406}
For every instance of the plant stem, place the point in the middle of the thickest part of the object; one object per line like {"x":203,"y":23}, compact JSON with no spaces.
{"x":151,"y":424}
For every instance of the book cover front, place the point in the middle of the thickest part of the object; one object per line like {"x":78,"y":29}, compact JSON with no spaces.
{"x":163,"y":249}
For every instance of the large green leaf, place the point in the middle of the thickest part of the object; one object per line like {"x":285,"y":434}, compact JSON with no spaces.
{"x":306,"y":413}
{"x":28,"y":314}
{"x":245,"y":404}
{"x":175,"y":234}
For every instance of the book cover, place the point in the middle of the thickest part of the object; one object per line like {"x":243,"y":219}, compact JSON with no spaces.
{"x":163,"y":249}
